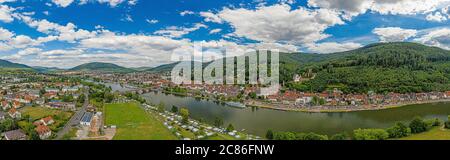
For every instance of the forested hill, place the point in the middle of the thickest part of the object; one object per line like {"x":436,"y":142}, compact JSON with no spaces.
{"x":382,"y":68}
{"x":10,"y":65}
{"x":101,"y":67}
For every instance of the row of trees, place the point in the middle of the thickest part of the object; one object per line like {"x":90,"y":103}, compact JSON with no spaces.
{"x":135,"y":97}
{"x":399,"y":130}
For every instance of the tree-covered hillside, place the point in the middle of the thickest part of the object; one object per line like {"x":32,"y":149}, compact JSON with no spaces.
{"x":101,"y":67}
{"x":9,"y":65}
{"x":382,"y":68}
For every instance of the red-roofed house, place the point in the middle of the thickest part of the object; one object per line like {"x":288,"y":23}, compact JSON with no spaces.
{"x":5,"y":105}
{"x":17,"y":104}
{"x":47,"y":120}
{"x":43,"y":131}
{"x":13,"y":113}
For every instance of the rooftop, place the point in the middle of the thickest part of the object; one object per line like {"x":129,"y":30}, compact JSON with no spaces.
{"x":15,"y":135}
{"x":87,"y":117}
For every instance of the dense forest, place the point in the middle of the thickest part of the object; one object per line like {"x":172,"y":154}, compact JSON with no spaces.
{"x":381,"y":68}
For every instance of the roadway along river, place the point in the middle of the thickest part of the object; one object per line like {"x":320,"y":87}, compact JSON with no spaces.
{"x":258,"y":120}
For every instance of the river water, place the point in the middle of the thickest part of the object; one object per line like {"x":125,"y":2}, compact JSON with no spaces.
{"x":258,"y":120}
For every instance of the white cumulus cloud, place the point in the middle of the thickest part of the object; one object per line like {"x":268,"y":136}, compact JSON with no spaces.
{"x":332,"y":47}
{"x":394,"y":34}
{"x":280,"y":23}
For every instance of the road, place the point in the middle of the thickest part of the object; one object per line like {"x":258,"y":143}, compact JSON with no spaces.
{"x":75,"y":119}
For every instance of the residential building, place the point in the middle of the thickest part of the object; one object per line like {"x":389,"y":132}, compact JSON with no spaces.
{"x":5,"y":105}
{"x":43,"y":131}
{"x":15,"y":135}
{"x":13,"y":113}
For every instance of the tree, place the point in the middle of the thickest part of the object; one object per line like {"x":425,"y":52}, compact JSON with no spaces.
{"x":370,"y":134}
{"x":339,"y":136}
{"x":109,"y":97}
{"x":81,"y":99}
{"x":42,"y":92}
{"x":252,"y":95}
{"x":399,"y":130}
{"x":437,"y":122}
{"x":284,"y":136}
{"x":8,"y":124}
{"x":161,"y":107}
{"x":184,"y":112}
{"x":67,"y":98}
{"x":269,"y":134}
{"x":218,"y":122}
{"x":418,"y":125}
{"x":310,"y":136}
{"x":174,"y":109}
{"x":230,"y":128}
{"x":447,"y":124}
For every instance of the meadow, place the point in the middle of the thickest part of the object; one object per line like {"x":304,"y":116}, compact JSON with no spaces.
{"x":133,"y":123}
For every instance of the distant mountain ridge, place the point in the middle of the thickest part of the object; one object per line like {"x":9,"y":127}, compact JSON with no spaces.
{"x":101,"y":67}
{"x":401,"y":67}
{"x":11,"y":65}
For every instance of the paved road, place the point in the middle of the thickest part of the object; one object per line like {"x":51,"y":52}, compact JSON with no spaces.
{"x":75,"y":119}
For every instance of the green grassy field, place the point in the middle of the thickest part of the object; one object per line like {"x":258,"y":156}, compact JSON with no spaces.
{"x":60,"y":117}
{"x":40,"y":112}
{"x":433,"y":134}
{"x":133,"y":123}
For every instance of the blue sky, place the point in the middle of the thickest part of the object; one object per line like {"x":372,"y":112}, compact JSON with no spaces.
{"x":134,"y":33}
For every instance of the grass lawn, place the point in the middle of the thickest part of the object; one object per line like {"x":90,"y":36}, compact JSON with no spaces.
{"x":59,"y":116}
{"x":433,"y":134}
{"x":40,"y":112}
{"x":220,"y":137}
{"x":133,"y":123}
{"x":72,"y":133}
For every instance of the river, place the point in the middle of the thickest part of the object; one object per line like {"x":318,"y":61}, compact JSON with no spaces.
{"x":258,"y":120}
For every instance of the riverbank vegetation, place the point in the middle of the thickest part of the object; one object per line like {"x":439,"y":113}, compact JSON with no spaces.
{"x":417,"y":129}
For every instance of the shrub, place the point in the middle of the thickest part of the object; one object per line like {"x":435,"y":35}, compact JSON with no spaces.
{"x":447,"y":124}
{"x":298,"y":136}
{"x":230,"y":128}
{"x":284,"y":136}
{"x":370,"y":134}
{"x":437,"y":122}
{"x":399,"y":130}
{"x":418,"y":125}
{"x":269,"y":134}
{"x":310,"y":136}
{"x":340,"y":136}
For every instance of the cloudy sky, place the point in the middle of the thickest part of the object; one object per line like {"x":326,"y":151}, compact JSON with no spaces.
{"x":135,"y":33}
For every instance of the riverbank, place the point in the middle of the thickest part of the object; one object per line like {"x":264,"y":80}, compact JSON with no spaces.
{"x":338,"y":109}
{"x":316,"y":109}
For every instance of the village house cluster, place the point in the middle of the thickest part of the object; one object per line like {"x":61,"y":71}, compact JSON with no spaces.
{"x":285,"y":99}
{"x":16,"y":94}
{"x":337,"y":98}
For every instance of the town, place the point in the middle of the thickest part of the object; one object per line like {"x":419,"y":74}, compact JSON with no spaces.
{"x":37,"y":106}
{"x":329,"y":101}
